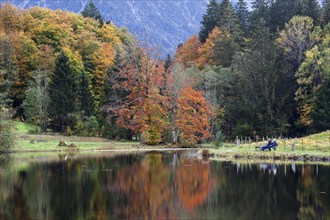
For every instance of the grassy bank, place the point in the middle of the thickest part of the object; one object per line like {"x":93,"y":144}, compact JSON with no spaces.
{"x":312,"y":148}
{"x":27,"y":141}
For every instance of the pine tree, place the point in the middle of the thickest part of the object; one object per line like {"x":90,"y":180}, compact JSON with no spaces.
{"x":8,"y":70}
{"x":228,"y":20}
{"x":91,"y":11}
{"x":320,"y":115}
{"x":326,"y":11}
{"x":260,"y":11}
{"x":224,"y":49}
{"x":310,"y":8}
{"x":168,"y":62}
{"x":281,"y":11}
{"x":209,"y":20}
{"x":242,"y":14}
{"x":63,"y":93}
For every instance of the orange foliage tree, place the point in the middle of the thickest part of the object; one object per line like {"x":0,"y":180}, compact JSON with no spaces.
{"x":145,"y":108}
{"x":186,"y":54}
{"x":191,"y":116}
{"x":205,"y":51}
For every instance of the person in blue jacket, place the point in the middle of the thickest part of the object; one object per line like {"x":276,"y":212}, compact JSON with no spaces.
{"x":271,"y":144}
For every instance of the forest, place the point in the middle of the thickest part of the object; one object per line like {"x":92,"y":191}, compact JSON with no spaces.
{"x":264,"y":71}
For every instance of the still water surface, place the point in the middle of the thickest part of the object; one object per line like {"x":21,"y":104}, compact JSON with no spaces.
{"x":160,"y":186}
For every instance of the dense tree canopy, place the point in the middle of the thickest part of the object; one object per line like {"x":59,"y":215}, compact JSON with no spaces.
{"x":263,"y":72}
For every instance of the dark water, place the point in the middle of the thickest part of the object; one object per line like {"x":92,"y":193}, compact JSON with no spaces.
{"x":161,"y":186}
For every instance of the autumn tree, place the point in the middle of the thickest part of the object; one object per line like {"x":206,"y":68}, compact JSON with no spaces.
{"x":187,"y":54}
{"x":206,"y":50}
{"x":312,"y":73}
{"x":113,"y":98}
{"x":103,"y":58}
{"x":145,"y":108}
{"x":191,"y":117}
{"x":295,"y":39}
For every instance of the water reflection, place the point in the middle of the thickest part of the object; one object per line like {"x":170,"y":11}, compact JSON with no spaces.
{"x":162,"y":186}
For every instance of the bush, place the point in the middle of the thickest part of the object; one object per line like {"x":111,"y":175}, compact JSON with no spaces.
{"x":7,"y":138}
{"x":112,"y":131}
{"x":87,"y":127}
{"x":219,"y":138}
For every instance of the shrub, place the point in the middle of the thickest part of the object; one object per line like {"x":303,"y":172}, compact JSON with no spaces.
{"x":7,"y":138}
{"x":89,"y":126}
{"x":219,"y":138}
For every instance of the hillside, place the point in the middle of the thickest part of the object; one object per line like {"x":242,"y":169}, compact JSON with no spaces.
{"x":163,"y":23}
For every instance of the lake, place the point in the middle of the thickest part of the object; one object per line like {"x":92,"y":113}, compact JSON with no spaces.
{"x":168,"y":185}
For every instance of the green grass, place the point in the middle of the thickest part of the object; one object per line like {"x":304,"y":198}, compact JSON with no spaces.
{"x":24,"y":128}
{"x":317,"y":145}
{"x":51,"y":145}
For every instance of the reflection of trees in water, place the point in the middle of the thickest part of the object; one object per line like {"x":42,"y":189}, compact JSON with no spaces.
{"x":313,"y":204}
{"x":147,"y":189}
{"x":194,"y":183}
{"x":153,"y":190}
{"x":251,"y":194}
{"x":154,"y":187}
{"x":15,"y":204}
{"x":4,"y":160}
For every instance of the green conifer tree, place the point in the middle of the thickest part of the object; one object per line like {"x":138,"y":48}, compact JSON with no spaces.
{"x":63,"y":93}
{"x":91,"y":11}
{"x":228,"y":20}
{"x":209,"y":20}
{"x":242,"y":14}
{"x":260,"y":11}
{"x":281,"y":11}
{"x":8,"y":71}
{"x":168,"y":62}
{"x":310,"y":8}
{"x":320,"y":115}
{"x":326,"y":11}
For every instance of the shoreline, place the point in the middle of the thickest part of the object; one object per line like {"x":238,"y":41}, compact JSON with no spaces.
{"x":210,"y":153}
{"x":266,"y":156}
